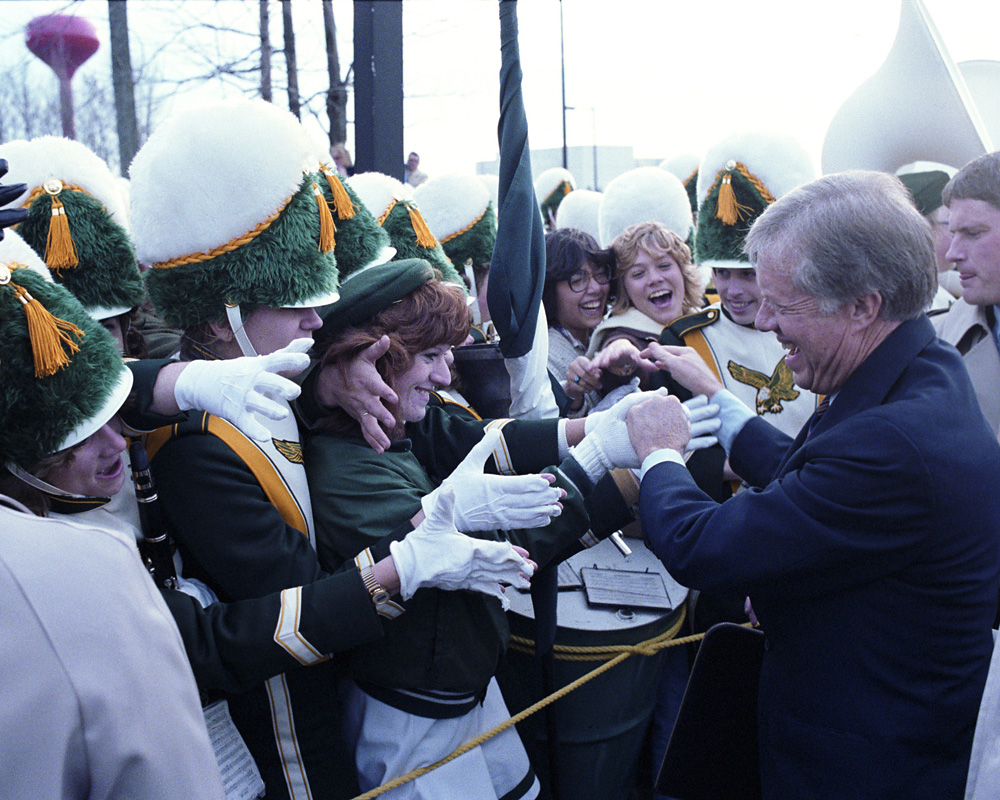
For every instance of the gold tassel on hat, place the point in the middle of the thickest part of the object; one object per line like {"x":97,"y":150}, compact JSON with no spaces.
{"x":729,"y":210}
{"x":341,"y":199}
{"x":327,"y":227}
{"x":60,"y":252}
{"x":49,"y":335}
{"x":424,"y":236}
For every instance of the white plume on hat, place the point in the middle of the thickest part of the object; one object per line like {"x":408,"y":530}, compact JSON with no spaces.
{"x":35,"y":161}
{"x":210,"y":174}
{"x":550,"y":179}
{"x":13,"y":249}
{"x":683,"y":165}
{"x":644,"y":194}
{"x":777,"y":159}
{"x":451,"y":203}
{"x":378,"y":191}
{"x":580,"y":210}
{"x":492,"y":184}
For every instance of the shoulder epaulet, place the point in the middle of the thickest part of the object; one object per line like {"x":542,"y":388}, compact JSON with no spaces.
{"x":679,"y":328}
{"x":451,"y":407}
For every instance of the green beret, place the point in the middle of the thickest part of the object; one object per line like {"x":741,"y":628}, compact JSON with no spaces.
{"x":367,"y":292}
{"x":926,"y":187}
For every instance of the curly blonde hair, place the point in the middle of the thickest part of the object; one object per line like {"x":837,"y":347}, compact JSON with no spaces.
{"x":655,"y":239}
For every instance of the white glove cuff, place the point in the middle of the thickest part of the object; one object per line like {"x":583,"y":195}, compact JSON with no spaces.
{"x":590,"y":458}
{"x":562,"y":441}
{"x":186,"y":385}
{"x":403,"y":558}
{"x":733,"y":415}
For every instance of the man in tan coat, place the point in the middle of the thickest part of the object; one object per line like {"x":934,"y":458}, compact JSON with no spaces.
{"x":971,"y":324}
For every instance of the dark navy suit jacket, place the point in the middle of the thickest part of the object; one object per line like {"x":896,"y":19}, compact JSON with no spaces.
{"x":871,"y":552}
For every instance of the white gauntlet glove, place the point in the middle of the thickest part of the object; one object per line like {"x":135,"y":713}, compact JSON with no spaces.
{"x":704,"y":419}
{"x":235,"y":389}
{"x":488,"y":502}
{"x":436,"y":555}
{"x":733,"y":415}
{"x":607,"y":444}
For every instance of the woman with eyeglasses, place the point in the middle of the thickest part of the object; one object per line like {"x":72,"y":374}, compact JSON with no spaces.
{"x":577,"y":280}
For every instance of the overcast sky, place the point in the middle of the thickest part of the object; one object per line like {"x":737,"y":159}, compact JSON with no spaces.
{"x":664,"y":76}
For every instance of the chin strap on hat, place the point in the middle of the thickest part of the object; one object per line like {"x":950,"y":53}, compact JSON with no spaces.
{"x":236,"y":324}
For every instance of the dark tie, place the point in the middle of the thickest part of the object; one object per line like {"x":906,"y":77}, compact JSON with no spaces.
{"x":824,"y":404}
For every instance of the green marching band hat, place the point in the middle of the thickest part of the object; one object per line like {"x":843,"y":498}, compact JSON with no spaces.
{"x":551,"y":186}
{"x":738,"y":178}
{"x":229,"y":213}
{"x":360,"y":240}
{"x":61,"y":376}
{"x":461,"y":216}
{"x":580,"y":210}
{"x":77,"y":222}
{"x":391,"y":202}
{"x":370,"y":291}
{"x":644,"y":194}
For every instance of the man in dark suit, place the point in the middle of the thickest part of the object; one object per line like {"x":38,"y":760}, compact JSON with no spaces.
{"x":869,"y":544}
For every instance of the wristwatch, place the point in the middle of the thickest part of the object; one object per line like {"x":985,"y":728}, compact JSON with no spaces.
{"x":375,"y":589}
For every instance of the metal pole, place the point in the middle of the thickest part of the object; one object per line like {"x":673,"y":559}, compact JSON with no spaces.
{"x":562,"y":61}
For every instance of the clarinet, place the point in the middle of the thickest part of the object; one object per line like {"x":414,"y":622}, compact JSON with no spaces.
{"x":155,"y":547}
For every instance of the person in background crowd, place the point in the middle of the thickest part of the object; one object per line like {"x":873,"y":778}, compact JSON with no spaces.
{"x":925,"y":181}
{"x":654,"y":283}
{"x":868,"y":531}
{"x":342,"y":159}
{"x":577,"y":278}
{"x":972,"y":198}
{"x":411,"y":170}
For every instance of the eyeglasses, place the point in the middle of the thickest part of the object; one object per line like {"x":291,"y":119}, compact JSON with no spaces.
{"x":580,"y":279}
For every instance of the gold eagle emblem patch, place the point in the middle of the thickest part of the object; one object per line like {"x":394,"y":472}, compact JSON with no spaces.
{"x":770,"y":390}
{"x":290,"y":450}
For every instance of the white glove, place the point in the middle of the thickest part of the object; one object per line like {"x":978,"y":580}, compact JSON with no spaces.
{"x":436,"y":555}
{"x":704,"y":419}
{"x":627,"y":396}
{"x":487,"y":502}
{"x":236,"y":388}
{"x":606,"y":444}
{"x":733,"y":415}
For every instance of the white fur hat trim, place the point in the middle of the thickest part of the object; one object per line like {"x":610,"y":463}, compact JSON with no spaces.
{"x":550,"y":179}
{"x":34,"y":162}
{"x":377,"y":191}
{"x":451,"y":203}
{"x":644,"y":194}
{"x":777,"y":159}
{"x":210,"y":174}
{"x":683,"y":166}
{"x":579,"y":210}
{"x":13,"y":249}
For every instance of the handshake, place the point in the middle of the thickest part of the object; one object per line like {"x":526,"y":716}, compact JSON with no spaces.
{"x":608,"y":443}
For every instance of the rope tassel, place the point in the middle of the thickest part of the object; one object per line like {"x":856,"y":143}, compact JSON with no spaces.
{"x":327,"y":227}
{"x":342,"y":203}
{"x":50,"y":336}
{"x":59,"y":250}
{"x":424,"y":236}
